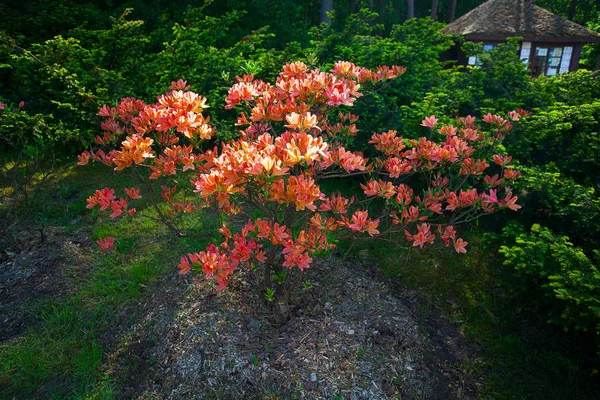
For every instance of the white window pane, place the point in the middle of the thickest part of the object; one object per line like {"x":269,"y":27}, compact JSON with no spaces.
{"x":472,"y":60}
{"x":566,"y":61}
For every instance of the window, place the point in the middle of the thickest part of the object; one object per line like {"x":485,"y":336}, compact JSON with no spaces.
{"x":475,"y":61}
{"x":525,"y":52}
{"x":551,"y":60}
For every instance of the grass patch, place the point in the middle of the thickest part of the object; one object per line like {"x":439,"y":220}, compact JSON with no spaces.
{"x":62,"y":356}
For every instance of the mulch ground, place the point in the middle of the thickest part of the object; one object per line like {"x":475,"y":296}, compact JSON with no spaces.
{"x":352,"y":336}
{"x":38,"y":271}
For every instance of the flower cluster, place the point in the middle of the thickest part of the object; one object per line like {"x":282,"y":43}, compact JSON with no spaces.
{"x":152,"y":132}
{"x":290,"y":140}
{"x":455,"y":164}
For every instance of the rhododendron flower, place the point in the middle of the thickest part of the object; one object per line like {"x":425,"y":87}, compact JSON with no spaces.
{"x":422,"y":237}
{"x":326,"y":224}
{"x":84,"y":158}
{"x":493,"y":181}
{"x":361,"y":223}
{"x":133,"y":193}
{"x":379,"y":188}
{"x":490,"y":198}
{"x":297,"y":121}
{"x":502,"y":160}
{"x":396,"y":167}
{"x":184,"y":265}
{"x":449,"y":233}
{"x":107,"y":243}
{"x":448,"y":130}
{"x":118,"y":207}
{"x":336,"y":203}
{"x":345,"y":69}
{"x":513,"y":115}
{"x":279,"y":235}
{"x":103,"y":198}
{"x":388,"y":143}
{"x":510,"y":202}
{"x":293,"y":69}
{"x":523,"y":113}
{"x":295,"y":256}
{"x":460,"y":246}
{"x":179,"y":85}
{"x":511,"y":174}
{"x":299,"y":190}
{"x":429,"y":122}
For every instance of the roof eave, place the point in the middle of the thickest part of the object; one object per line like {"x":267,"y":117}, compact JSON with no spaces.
{"x":478,"y":37}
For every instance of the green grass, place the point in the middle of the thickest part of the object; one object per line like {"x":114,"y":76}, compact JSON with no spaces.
{"x":62,"y":356}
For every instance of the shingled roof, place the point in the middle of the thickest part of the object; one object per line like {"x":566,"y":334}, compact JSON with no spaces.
{"x":505,"y":18}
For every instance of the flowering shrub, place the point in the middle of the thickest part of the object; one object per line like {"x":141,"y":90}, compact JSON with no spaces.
{"x":291,"y":139}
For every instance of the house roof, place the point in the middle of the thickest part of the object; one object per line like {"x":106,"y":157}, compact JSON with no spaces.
{"x":499,"y":19}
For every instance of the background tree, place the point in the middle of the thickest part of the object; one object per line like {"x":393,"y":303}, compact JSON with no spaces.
{"x":326,"y":7}
{"x":410,"y":9}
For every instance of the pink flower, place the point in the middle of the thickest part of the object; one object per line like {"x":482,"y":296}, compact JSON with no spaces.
{"x":106,"y":244}
{"x":429,"y":122}
{"x":179,"y":85}
{"x":21,"y":104}
{"x":510,"y":202}
{"x":490,"y":198}
{"x":460,"y":245}
{"x":502,"y":160}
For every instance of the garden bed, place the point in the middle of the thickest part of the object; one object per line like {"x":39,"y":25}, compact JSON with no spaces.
{"x":352,"y":337}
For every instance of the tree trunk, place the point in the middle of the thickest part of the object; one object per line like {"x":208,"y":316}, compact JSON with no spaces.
{"x":572,"y":10}
{"x":434,"y":8}
{"x":326,"y":6}
{"x":452,"y":11}
{"x":410,"y":9}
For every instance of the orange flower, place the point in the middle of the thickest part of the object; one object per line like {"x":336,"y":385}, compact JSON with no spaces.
{"x":84,"y":158}
{"x":360,"y":223}
{"x":133,"y":193}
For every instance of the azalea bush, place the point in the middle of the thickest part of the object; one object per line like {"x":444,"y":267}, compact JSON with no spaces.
{"x":293,"y":135}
